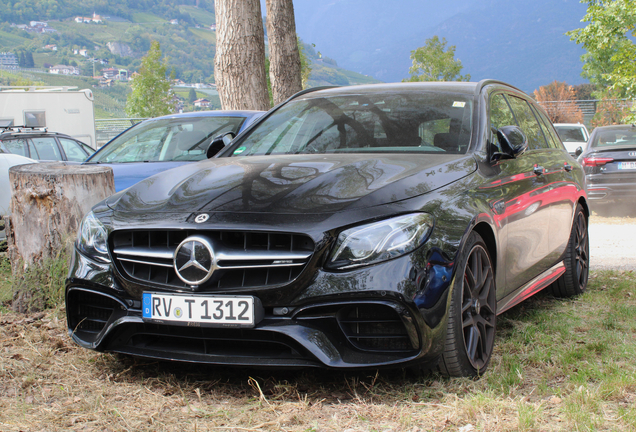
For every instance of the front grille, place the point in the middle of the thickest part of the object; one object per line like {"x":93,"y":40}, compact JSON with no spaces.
{"x":89,"y":312}
{"x":244,"y":259}
{"x":374,"y":327}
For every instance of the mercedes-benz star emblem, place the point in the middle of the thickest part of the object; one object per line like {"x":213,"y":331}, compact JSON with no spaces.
{"x":202,"y":218}
{"x":194,"y":260}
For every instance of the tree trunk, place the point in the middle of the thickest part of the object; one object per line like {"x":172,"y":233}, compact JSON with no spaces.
{"x":284,"y":58}
{"x":239,"y":63}
{"x":48,"y":202}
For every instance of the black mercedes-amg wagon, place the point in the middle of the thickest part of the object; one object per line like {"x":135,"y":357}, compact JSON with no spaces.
{"x":355,"y":227}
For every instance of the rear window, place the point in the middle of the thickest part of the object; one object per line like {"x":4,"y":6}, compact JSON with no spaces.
{"x":571,"y":133}
{"x":614,"y":137}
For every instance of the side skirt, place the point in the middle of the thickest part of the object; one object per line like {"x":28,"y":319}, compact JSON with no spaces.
{"x":531,"y":288}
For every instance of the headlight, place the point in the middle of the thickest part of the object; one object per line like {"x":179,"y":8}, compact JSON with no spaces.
{"x":91,"y":239}
{"x":380,"y":241}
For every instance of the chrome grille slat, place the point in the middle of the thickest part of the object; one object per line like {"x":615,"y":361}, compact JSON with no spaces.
{"x":243,"y":259}
{"x":151,"y":263}
{"x":147,"y":252}
{"x":256,"y":266}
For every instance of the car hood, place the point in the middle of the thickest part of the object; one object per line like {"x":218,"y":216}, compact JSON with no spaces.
{"x":129,"y":173}
{"x":292,"y":184}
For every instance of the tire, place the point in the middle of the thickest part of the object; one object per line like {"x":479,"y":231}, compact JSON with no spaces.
{"x":574,"y":281}
{"x":470,"y":334}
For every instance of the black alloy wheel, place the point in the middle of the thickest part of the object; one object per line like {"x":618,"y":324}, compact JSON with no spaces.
{"x":577,"y":265}
{"x":472,"y":316}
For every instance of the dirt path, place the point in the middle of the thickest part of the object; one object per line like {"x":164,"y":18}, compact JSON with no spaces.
{"x":612,"y":243}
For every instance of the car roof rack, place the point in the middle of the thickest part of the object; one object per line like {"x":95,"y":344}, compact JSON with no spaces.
{"x":24,"y":128}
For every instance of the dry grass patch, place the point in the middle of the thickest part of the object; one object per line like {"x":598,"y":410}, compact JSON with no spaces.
{"x":558,"y":365}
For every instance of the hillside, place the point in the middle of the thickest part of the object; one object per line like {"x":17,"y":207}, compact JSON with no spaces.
{"x":121,"y":40}
{"x":27,"y":10}
{"x":520,"y":42}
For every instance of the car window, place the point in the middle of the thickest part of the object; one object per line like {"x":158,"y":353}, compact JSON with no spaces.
{"x":614,"y":137}
{"x":548,"y":130}
{"x":360,"y":123}
{"x":88,"y":149}
{"x":500,"y":115}
{"x":16,"y":146}
{"x":176,"y":139}
{"x":571,"y":133}
{"x":74,"y":152}
{"x":47,"y":148}
{"x":33,"y":151}
{"x":528,"y":123}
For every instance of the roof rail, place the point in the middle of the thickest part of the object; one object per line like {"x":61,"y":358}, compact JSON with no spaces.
{"x":25,"y":128}
{"x":483,"y":83}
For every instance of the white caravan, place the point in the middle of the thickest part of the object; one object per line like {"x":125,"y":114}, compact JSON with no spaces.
{"x":59,"y":109}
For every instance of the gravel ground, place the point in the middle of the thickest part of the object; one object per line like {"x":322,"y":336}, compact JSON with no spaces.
{"x":612,"y":243}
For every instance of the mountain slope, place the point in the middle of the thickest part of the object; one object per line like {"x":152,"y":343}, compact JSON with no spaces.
{"x":520,"y":42}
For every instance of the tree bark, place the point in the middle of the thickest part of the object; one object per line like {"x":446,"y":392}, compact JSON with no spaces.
{"x":239,"y":63}
{"x":48,"y":202}
{"x":284,"y":58}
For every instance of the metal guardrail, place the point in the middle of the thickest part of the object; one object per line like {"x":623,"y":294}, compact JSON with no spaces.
{"x":107,"y":129}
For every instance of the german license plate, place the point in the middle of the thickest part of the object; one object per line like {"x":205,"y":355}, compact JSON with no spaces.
{"x":627,"y":165}
{"x":201,"y":310}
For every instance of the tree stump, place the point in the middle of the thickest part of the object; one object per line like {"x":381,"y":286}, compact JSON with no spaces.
{"x":48,"y":202}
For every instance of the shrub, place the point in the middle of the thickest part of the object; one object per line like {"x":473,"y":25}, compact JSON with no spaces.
{"x":41,"y":287}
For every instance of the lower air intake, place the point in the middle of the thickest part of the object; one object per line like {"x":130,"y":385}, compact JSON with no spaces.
{"x":89,"y":312}
{"x":374,"y":327}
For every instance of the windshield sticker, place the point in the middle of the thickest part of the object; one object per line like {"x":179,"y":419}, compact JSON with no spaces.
{"x":458,"y":104}
{"x":239,"y":150}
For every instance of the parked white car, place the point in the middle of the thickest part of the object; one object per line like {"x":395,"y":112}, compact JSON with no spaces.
{"x":7,"y":160}
{"x":573,"y":135}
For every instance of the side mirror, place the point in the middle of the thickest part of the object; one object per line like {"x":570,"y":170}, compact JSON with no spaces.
{"x":513,"y":142}
{"x":218,"y":143}
{"x":578,"y":151}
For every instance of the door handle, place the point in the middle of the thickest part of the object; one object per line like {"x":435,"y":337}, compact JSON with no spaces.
{"x":538,"y":170}
{"x":567,"y":167}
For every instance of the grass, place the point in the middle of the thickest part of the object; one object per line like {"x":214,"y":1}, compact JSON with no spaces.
{"x":207,"y":35}
{"x":97,"y":33}
{"x":147,"y":18}
{"x":200,"y":15}
{"x":6,"y":290}
{"x":10,"y":40}
{"x":558,"y":365}
{"x":36,"y":288}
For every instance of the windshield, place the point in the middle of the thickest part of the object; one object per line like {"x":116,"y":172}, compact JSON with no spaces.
{"x":615,"y":137}
{"x":571,"y":133}
{"x":176,"y":139}
{"x":414,"y":122}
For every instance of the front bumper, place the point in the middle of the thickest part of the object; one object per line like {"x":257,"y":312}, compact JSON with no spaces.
{"x":387,"y":315}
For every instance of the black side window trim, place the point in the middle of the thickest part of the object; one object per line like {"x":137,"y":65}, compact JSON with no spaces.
{"x":545,"y":142}
{"x":542,"y":125}
{"x":61,"y":148}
